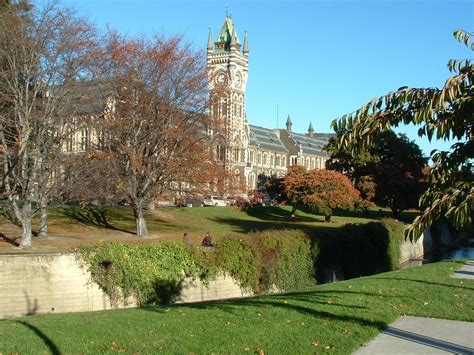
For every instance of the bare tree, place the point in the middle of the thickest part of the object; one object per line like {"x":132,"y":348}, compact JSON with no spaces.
{"x":46,"y":54}
{"x":155,"y":132}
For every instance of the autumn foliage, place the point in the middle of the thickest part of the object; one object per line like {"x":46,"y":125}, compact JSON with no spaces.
{"x":321,"y":190}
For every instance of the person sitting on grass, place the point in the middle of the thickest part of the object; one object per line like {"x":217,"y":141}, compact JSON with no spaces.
{"x":207,"y":241}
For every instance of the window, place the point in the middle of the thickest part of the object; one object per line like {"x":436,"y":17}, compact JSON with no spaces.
{"x":283,"y":161}
{"x":251,"y":158}
{"x":84,"y":139}
{"x":277,"y":160}
{"x":272,"y":160}
{"x":294,"y":160}
{"x":259,"y":158}
{"x":224,"y":108}
{"x":220,"y":153}
{"x":69,"y":141}
{"x":264,"y":158}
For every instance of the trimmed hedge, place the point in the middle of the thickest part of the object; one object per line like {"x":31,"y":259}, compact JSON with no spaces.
{"x":359,"y":249}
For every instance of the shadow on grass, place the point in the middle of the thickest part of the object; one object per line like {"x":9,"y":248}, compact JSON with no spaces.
{"x":246,"y":226}
{"x":285,"y":302}
{"x":278,"y":214}
{"x":463,"y":286}
{"x":92,"y":216}
{"x":9,"y":240}
{"x":49,"y":343}
{"x":405,"y":216}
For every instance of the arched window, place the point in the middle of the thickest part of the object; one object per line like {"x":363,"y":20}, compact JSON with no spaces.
{"x":224,"y":107}
{"x":220,"y":152}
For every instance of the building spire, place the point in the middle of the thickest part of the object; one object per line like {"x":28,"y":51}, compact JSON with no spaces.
{"x":310,"y":129}
{"x":246,"y":44}
{"x":209,"y":41}
{"x":289,"y":124}
{"x":233,"y":40}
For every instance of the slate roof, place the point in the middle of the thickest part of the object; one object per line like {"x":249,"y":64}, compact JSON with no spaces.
{"x":266,"y":139}
{"x":313,"y":145}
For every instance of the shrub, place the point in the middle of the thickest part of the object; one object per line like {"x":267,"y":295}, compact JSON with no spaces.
{"x":235,"y":257}
{"x":286,"y":259}
{"x":262,"y":261}
{"x":152,"y":273}
{"x":359,"y":249}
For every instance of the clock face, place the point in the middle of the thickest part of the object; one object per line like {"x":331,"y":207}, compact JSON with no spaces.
{"x":238,"y":80}
{"x":220,"y":78}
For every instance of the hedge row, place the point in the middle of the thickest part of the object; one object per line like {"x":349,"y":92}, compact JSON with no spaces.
{"x":260,"y":262}
{"x":359,"y":249}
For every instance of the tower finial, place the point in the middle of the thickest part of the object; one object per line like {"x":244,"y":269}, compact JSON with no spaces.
{"x":246,"y":44}
{"x":233,"y":38}
{"x":209,"y":41}
{"x":310,"y":129}
{"x":226,"y":12}
{"x":289,"y":124}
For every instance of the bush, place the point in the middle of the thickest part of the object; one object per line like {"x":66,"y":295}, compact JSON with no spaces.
{"x":359,"y":249}
{"x":286,"y":260}
{"x":266,"y":260}
{"x":235,"y":257}
{"x":152,"y":273}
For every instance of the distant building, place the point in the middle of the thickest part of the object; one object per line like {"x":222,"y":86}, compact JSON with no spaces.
{"x":249,"y":151}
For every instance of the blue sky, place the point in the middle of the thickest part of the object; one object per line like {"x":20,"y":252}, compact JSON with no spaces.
{"x":316,"y":60}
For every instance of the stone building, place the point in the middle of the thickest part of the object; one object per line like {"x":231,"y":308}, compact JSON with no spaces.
{"x":248,"y":151}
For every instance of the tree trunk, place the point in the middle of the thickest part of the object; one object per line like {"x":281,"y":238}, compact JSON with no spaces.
{"x":142,"y":230}
{"x":43,"y":223}
{"x":25,"y":220}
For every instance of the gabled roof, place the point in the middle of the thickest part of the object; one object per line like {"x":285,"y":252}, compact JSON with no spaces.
{"x":266,"y":139}
{"x":312,"y":145}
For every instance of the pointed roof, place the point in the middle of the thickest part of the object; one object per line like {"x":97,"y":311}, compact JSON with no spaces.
{"x":209,"y":40}
{"x":227,"y":32}
{"x":310,"y":129}
{"x":288,"y":123}
{"x":246,"y":43}
{"x":234,"y":39}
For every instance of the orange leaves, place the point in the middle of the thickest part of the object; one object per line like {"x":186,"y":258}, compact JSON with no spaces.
{"x":319,"y":189}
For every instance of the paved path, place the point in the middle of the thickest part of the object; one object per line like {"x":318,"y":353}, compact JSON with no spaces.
{"x":465,"y":272}
{"x":415,"y":335}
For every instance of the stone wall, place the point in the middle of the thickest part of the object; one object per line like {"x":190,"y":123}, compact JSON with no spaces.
{"x":56,"y":283}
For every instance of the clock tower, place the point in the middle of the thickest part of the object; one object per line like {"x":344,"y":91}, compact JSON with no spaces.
{"x":227,"y":68}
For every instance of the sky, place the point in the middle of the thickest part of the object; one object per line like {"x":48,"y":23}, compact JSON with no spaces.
{"x":314,"y":60}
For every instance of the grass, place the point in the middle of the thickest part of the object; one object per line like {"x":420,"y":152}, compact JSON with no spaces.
{"x":71,"y":226}
{"x":335,"y":318}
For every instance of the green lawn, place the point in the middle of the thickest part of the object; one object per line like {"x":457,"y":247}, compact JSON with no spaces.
{"x":217,"y":220}
{"x":334,"y":318}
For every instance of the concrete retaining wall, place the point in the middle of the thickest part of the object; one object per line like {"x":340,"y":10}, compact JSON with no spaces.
{"x":50,"y":283}
{"x":416,"y":250}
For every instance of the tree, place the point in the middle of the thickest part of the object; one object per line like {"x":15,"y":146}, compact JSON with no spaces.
{"x":446,"y":113}
{"x":44,"y":53}
{"x":154,"y":133}
{"x":389,"y":173}
{"x":320,"y":189}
